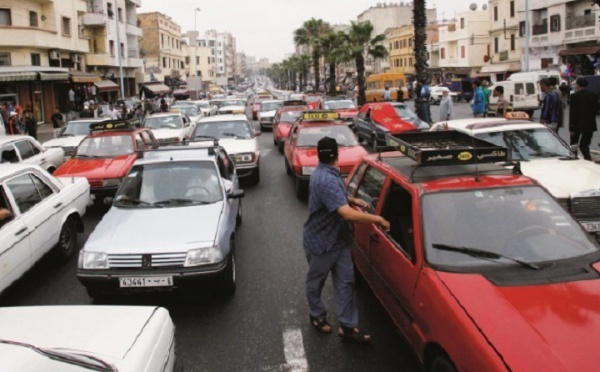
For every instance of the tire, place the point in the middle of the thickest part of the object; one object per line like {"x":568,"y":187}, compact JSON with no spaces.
{"x":67,"y":240}
{"x":441,"y":363}
{"x":288,"y":170}
{"x":238,"y":217}
{"x":229,"y":274}
{"x":301,"y":188}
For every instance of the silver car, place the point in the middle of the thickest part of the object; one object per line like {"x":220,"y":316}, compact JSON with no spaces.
{"x":171,"y":225}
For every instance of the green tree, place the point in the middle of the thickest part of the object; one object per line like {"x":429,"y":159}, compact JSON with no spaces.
{"x":420,"y":44}
{"x":362,"y":43}
{"x":304,"y":63}
{"x":333,"y":47}
{"x":308,"y":35}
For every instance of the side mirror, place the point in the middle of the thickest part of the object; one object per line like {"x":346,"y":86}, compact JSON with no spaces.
{"x":235,"y":194}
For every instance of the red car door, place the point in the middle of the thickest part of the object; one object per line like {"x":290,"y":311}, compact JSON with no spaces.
{"x":396,"y":257}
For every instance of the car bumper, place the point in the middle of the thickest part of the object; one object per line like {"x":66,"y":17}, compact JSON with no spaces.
{"x":266,"y":122}
{"x":246,"y":170}
{"x":107,"y":281}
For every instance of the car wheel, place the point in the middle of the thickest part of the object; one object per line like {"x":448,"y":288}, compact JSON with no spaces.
{"x":442,"y":364}
{"x":67,"y":240}
{"x":375,"y":144}
{"x":229,"y":274}
{"x":288,"y":170}
{"x":301,"y":188}
{"x":238,"y":217}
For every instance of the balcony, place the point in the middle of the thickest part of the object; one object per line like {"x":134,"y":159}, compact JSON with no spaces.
{"x":137,"y":3}
{"x":93,"y":20}
{"x":541,"y":29}
{"x":583,"y":21}
{"x":133,"y":30}
{"x":100,"y":60}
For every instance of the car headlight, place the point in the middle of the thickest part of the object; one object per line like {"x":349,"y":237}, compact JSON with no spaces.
{"x":307,"y":171}
{"x":109,"y":182}
{"x":244,"y":158}
{"x":92,"y":260}
{"x":202,"y":256}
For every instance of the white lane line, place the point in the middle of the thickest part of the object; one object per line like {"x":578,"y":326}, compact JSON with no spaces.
{"x":293,"y":349}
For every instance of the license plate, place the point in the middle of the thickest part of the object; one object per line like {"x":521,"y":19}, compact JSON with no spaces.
{"x":591,"y":226}
{"x":146,"y":281}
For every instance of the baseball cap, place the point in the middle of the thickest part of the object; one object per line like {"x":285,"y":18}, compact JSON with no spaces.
{"x":327,"y":149}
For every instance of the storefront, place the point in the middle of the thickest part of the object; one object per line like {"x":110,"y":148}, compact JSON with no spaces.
{"x":581,"y":61}
{"x":83,"y":84}
{"x":107,"y":90}
{"x":153,"y":90}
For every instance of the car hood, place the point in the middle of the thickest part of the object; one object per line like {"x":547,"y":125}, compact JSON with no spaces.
{"x":179,"y":228}
{"x":563,"y":177}
{"x":551,"y":327}
{"x":96,"y":168}
{"x":267,"y":114}
{"x":108,"y":331}
{"x":237,"y":146}
{"x":70,"y":141}
{"x":347,"y":156}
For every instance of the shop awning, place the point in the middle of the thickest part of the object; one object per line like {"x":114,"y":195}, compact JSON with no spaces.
{"x":579,"y":51}
{"x":157,"y":88}
{"x":54,"y":76}
{"x":84,"y":77}
{"x":18,"y":76}
{"x":494,"y":69}
{"x":181,"y":92}
{"x":106,"y":86}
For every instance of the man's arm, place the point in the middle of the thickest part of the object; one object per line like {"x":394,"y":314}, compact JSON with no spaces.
{"x":351,"y":215}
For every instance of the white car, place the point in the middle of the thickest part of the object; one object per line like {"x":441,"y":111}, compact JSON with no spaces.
{"x":267,"y":111}
{"x":70,"y":136}
{"x":575,"y":182}
{"x":232,"y":106}
{"x":26,"y":150}
{"x":45,"y":214}
{"x":87,"y":338}
{"x":204,"y":107}
{"x":191,"y":111}
{"x":436,"y":94}
{"x":236,"y":134}
{"x":170,"y":127}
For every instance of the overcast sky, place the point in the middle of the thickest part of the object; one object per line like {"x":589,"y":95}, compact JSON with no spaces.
{"x":264,"y":28}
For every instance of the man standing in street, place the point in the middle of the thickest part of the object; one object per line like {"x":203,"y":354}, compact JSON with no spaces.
{"x":446,"y":106}
{"x":478,"y":100}
{"x":57,"y":119}
{"x":424,"y":96}
{"x":327,"y":236}
{"x":387,"y":95}
{"x":400,"y":94}
{"x":582,"y":117}
{"x":113,"y":113}
{"x":71,"y":99}
{"x":549,"y":109}
{"x":30,"y":124}
{"x":486,"y":94}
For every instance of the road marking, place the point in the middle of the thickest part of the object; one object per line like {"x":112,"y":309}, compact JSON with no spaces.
{"x":293,"y":349}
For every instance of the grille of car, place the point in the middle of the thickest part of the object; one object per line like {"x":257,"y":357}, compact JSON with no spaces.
{"x":69,"y":150}
{"x":586,"y":208}
{"x":96,"y":183}
{"x":137,"y":260}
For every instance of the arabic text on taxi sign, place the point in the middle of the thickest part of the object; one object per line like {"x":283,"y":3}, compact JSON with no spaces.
{"x":114,"y":125}
{"x":320,"y":116}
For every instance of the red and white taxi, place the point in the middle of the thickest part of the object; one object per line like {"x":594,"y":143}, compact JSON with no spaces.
{"x":256,"y":103}
{"x":106,"y":155}
{"x":283,"y":121}
{"x":300,"y":147}
{"x":344,"y":106}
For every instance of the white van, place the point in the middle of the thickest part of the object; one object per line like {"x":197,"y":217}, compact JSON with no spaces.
{"x":523,"y":95}
{"x":535,"y":75}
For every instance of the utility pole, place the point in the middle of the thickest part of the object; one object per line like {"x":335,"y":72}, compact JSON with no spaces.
{"x":120,"y":57}
{"x":527,"y":35}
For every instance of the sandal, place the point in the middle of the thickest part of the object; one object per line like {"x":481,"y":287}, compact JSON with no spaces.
{"x":320,"y":324}
{"x":354,"y":334}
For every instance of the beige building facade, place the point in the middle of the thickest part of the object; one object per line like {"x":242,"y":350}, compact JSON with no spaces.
{"x":199,"y":60}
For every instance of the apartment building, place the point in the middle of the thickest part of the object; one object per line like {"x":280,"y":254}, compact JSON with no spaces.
{"x":401,"y":50}
{"x":42,"y":41}
{"x":199,"y":60}
{"x":163,"y":49}
{"x":240,"y":67}
{"x":112,"y":31}
{"x":463,"y":45}
{"x":223,"y":50}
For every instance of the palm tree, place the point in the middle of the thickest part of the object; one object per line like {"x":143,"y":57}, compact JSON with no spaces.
{"x":333,"y":46}
{"x":304,"y":63}
{"x":307,"y":35}
{"x":361,"y":43}
{"x":420,"y":48}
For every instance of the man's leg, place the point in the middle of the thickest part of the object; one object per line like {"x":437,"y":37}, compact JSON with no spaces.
{"x":584,"y":144}
{"x":318,"y":269}
{"x":344,"y":291}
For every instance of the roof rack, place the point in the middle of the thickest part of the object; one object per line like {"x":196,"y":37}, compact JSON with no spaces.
{"x":446,"y":148}
{"x":115,"y":125}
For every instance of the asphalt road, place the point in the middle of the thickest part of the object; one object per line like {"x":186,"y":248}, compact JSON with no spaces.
{"x":264,"y":326}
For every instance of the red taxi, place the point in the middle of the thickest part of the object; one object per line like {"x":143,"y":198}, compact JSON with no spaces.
{"x":256,"y":104}
{"x":300,"y":147}
{"x":105,"y":156}
{"x":344,"y":106}
{"x":313,"y":100}
{"x":284,"y":119}
{"x":481,"y":270}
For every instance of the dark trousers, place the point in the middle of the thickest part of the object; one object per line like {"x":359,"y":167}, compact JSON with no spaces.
{"x":583,"y":139}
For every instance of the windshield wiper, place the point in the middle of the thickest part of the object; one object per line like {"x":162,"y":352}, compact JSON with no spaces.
{"x":181,"y":201}
{"x":137,"y":201}
{"x":480,"y":253}
{"x":69,"y":357}
{"x":87,"y":156}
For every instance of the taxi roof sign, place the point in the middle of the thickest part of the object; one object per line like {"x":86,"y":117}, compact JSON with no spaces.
{"x":294,"y":102}
{"x":115,"y":125}
{"x":320,"y":115}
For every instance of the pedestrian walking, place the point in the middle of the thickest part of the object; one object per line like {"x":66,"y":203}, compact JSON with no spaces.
{"x":478,"y":105}
{"x":549,"y":109}
{"x":423,"y":101}
{"x":113,"y":113}
{"x":86,"y":112}
{"x":399,"y":94}
{"x":57,"y":119}
{"x":71,"y":99}
{"x":561,"y":104}
{"x":446,"y":106}
{"x":582,"y":117}
{"x":327,"y":236}
{"x":13,"y":124}
{"x":502,"y":107}
{"x":164,"y":107}
{"x":5,"y":114}
{"x":30,"y":124}
{"x":386,"y":96}
{"x":486,"y":94}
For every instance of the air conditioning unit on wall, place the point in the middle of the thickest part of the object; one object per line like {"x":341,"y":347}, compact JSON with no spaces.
{"x":54,"y":54}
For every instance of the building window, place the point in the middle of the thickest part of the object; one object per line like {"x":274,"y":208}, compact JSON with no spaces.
{"x":181,"y":65}
{"x":198,"y":60}
{"x":122,"y":49}
{"x":496,"y":45}
{"x":512,"y":42}
{"x":164,"y":62}
{"x":462,"y":23}
{"x":4,"y":59}
{"x":512,"y":9}
{"x":5,"y":18}
{"x":401,"y":62}
{"x":495,"y":13}
{"x":109,"y":10}
{"x":187,"y":60}
{"x":162,"y":40}
{"x":120,"y":14}
{"x":462,"y":51}
{"x":66,"y":26}
{"x":33,"y":19}
{"x":111,"y":48}
{"x":410,"y":62}
{"x":35,"y":59}
{"x":410,"y":44}
{"x":443,"y":53}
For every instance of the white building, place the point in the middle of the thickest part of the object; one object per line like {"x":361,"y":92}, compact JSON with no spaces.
{"x":199,"y":60}
{"x":222,"y":46}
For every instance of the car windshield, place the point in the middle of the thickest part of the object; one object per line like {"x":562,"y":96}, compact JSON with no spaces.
{"x":270,"y":106}
{"x":405,"y":112}
{"x":233,"y":103}
{"x":308,"y":137}
{"x":170,"y":184}
{"x":203,"y":105}
{"x":77,"y":128}
{"x":219,"y":103}
{"x":528,"y":144}
{"x":189,"y":110}
{"x":105,"y":146}
{"x":523,"y":223}
{"x":339,"y":105}
{"x":160,"y":122}
{"x":311,"y":99}
{"x":290,"y":116}
{"x":224,"y":129}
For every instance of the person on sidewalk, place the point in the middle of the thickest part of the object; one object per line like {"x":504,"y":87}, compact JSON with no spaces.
{"x":549,"y":109}
{"x":582,"y":117}
{"x":13,"y":124}
{"x":30,"y":124}
{"x":502,"y":107}
{"x":57,"y":119}
{"x":400,"y":94}
{"x":327,"y":237}
{"x":446,"y":106}
{"x":386,"y":96}
{"x":478,"y":105}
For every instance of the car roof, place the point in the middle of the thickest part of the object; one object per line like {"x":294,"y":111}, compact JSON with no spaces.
{"x":177,"y":153}
{"x":164,"y":114}
{"x":8,"y":169}
{"x":12,"y":138}
{"x":486,"y":125}
{"x":227,"y":117}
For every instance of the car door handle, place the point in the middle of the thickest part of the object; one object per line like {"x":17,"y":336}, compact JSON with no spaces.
{"x":21,"y":231}
{"x":374,"y":238}
{"x":58,"y":205}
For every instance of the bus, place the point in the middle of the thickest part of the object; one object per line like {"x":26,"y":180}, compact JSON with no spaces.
{"x":376,"y":83}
